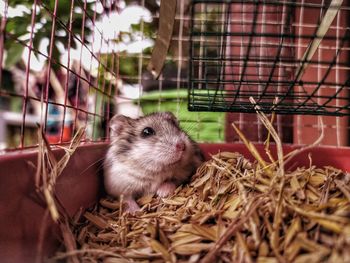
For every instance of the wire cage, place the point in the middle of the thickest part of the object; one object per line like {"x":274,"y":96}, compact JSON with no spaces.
{"x":292,"y":57}
{"x":57,"y":70}
{"x":74,"y":64}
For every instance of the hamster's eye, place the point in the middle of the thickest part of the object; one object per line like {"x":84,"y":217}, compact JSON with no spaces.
{"x":148,"y":131}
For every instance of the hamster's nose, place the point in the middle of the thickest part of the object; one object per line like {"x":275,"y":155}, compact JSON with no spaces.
{"x":180,"y":146}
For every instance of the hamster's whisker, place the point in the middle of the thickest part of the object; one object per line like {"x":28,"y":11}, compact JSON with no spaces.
{"x":191,"y":127}
{"x":96,"y":162}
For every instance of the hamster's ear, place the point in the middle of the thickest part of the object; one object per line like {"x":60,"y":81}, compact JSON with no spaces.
{"x":170,"y":116}
{"x":118,"y":123}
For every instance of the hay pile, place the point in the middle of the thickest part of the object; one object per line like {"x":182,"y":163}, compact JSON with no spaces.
{"x":233,"y":210}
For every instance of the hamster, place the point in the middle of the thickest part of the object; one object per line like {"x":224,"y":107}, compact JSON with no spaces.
{"x":148,"y":155}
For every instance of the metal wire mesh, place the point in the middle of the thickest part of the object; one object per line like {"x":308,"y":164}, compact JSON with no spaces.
{"x":69,"y":64}
{"x":292,"y":57}
{"x":57,"y":70}
{"x":99,"y":70}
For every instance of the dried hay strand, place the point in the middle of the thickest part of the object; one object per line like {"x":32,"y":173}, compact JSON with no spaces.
{"x":49,"y":169}
{"x":47,"y":172}
{"x":233,"y":210}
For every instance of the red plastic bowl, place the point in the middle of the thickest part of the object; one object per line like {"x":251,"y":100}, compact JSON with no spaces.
{"x":80,"y":185}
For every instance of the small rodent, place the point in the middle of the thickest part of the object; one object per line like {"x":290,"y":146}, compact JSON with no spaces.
{"x":148,"y":155}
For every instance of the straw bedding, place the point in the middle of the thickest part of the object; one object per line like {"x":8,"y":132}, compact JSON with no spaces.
{"x":232,"y":211}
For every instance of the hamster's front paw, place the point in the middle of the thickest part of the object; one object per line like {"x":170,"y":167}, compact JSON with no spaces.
{"x":131,"y":206}
{"x":166,"y":189}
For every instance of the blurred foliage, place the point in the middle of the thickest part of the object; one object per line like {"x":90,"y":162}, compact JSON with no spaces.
{"x":149,"y":30}
{"x":129,"y":65}
{"x":129,"y":62}
{"x":18,"y":28}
